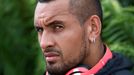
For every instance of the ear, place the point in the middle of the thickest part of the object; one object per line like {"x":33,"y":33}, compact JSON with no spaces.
{"x":93,"y":27}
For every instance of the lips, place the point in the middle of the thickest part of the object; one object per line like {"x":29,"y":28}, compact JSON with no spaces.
{"x":51,"y":56}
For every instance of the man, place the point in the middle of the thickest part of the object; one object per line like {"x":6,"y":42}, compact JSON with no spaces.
{"x":69,"y":33}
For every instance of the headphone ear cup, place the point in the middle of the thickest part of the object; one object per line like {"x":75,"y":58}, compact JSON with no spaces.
{"x":78,"y":70}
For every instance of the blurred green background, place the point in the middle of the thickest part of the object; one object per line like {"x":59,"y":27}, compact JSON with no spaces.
{"x":19,"y":50}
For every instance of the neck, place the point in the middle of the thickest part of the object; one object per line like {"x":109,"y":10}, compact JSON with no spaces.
{"x":95,"y":53}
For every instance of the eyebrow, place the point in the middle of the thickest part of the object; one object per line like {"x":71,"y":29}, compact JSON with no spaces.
{"x":55,"y":22}
{"x":49,"y":24}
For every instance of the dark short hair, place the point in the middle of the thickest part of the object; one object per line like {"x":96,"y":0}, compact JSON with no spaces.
{"x":83,"y":9}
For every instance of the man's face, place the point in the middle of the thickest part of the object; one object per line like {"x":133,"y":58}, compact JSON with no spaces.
{"x":60,"y":35}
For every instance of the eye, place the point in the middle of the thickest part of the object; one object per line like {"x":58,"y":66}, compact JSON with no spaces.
{"x":57,"y":27}
{"x":39,"y":29}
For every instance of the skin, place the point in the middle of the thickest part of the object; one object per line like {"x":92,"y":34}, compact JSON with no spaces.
{"x":64,"y":42}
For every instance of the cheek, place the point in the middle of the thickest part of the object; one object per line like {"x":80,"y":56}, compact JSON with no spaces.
{"x":39,"y":41}
{"x":39,"y":38}
{"x":70,"y":43}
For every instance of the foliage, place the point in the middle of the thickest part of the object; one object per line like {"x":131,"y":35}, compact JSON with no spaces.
{"x":19,"y":51}
{"x":118,"y":28}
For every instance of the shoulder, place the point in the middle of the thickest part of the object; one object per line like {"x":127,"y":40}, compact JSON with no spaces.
{"x":118,"y":65}
{"x":124,"y":65}
{"x":123,"y":72}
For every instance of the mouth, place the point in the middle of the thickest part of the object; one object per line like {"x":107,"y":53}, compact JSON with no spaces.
{"x":51,"y":56}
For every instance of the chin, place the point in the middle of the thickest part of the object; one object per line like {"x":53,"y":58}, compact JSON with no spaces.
{"x":56,"y":68}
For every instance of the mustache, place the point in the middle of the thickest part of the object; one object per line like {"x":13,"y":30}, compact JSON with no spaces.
{"x":52,"y":49}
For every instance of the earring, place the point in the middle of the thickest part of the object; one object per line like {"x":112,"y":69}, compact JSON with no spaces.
{"x":93,"y":40}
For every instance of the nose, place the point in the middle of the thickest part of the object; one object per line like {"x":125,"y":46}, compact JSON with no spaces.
{"x":46,"y":40}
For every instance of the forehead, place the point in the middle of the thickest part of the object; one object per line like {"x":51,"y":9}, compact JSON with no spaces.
{"x":51,"y":8}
